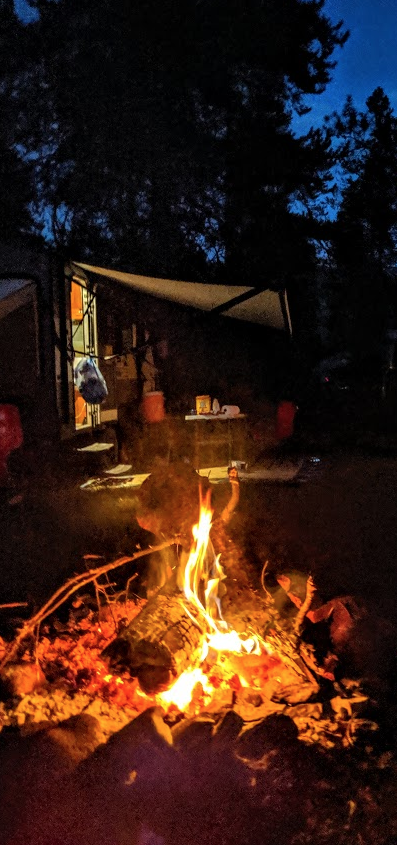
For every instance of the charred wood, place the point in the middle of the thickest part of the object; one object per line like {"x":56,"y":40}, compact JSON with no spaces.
{"x":159,"y":644}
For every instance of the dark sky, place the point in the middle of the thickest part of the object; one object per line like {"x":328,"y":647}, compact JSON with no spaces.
{"x":367,"y":60}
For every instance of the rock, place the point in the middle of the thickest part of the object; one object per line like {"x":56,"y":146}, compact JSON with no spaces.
{"x":345,"y":707}
{"x":33,"y":766}
{"x":227,"y":730}
{"x":270,"y":733}
{"x":76,"y":738}
{"x":96,"y":803}
{"x":305,"y":711}
{"x":125,"y":749}
{"x":193,"y":734}
{"x":254,"y":698}
{"x":295,"y":693}
{"x":222,"y":699}
{"x":252,"y":706}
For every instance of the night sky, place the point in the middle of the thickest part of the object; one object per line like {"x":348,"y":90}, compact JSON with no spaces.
{"x":367,"y":60}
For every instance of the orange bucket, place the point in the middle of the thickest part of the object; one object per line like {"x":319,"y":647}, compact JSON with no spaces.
{"x":152,"y":407}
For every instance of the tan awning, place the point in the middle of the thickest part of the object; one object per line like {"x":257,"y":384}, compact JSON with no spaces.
{"x":268,"y":308}
{"x":14,"y":293}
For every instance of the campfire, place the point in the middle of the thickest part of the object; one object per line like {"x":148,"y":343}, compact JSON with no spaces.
{"x":194,"y":632}
{"x":143,"y":705}
{"x":206,"y":640}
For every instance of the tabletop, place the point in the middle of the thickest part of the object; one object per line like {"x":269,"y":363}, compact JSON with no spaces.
{"x":214,"y":417}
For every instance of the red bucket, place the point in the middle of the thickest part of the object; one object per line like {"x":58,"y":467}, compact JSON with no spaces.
{"x":152,"y":407}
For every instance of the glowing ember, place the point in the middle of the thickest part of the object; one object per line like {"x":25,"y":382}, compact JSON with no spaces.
{"x":181,"y":692}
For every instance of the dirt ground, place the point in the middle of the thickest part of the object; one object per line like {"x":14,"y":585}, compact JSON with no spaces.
{"x":338,"y":521}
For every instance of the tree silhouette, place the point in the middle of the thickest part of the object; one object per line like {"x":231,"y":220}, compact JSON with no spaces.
{"x":366,"y":226}
{"x":161,"y":132}
{"x":16,"y":174}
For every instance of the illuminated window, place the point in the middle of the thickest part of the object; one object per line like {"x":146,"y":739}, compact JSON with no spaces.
{"x":84,"y":342}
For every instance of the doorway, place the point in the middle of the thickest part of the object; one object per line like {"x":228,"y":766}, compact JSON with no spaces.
{"x":84,"y":344}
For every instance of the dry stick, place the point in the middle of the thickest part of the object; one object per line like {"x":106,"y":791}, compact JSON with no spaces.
{"x":102,"y":589}
{"x":97,"y":594}
{"x":290,"y":646}
{"x":305,"y":607}
{"x":14,"y":604}
{"x":67,"y":590}
{"x":127,"y":586}
{"x":235,"y":497}
{"x":263,"y":573}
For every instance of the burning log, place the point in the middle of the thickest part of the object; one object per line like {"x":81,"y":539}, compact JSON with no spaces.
{"x":159,"y":644}
{"x":167,"y":636}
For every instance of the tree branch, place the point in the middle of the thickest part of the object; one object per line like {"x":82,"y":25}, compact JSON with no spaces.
{"x":67,"y":590}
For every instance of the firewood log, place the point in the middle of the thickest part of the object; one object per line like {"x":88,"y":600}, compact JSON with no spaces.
{"x":159,"y":644}
{"x":163,"y":640}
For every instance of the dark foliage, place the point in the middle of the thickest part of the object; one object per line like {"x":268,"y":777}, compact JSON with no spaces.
{"x":161,"y":133}
{"x":365,"y":244}
{"x":16,"y":173}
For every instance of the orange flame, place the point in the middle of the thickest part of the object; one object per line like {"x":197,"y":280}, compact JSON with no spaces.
{"x":203,"y":573}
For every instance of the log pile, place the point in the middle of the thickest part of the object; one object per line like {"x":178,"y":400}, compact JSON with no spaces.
{"x":166,"y":636}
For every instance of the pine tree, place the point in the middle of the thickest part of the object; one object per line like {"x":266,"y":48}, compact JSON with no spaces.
{"x":16,"y":176}
{"x":366,"y":227}
{"x":162,"y":131}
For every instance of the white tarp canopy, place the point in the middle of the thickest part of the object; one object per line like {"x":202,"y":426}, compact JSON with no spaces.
{"x":265,"y":307}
